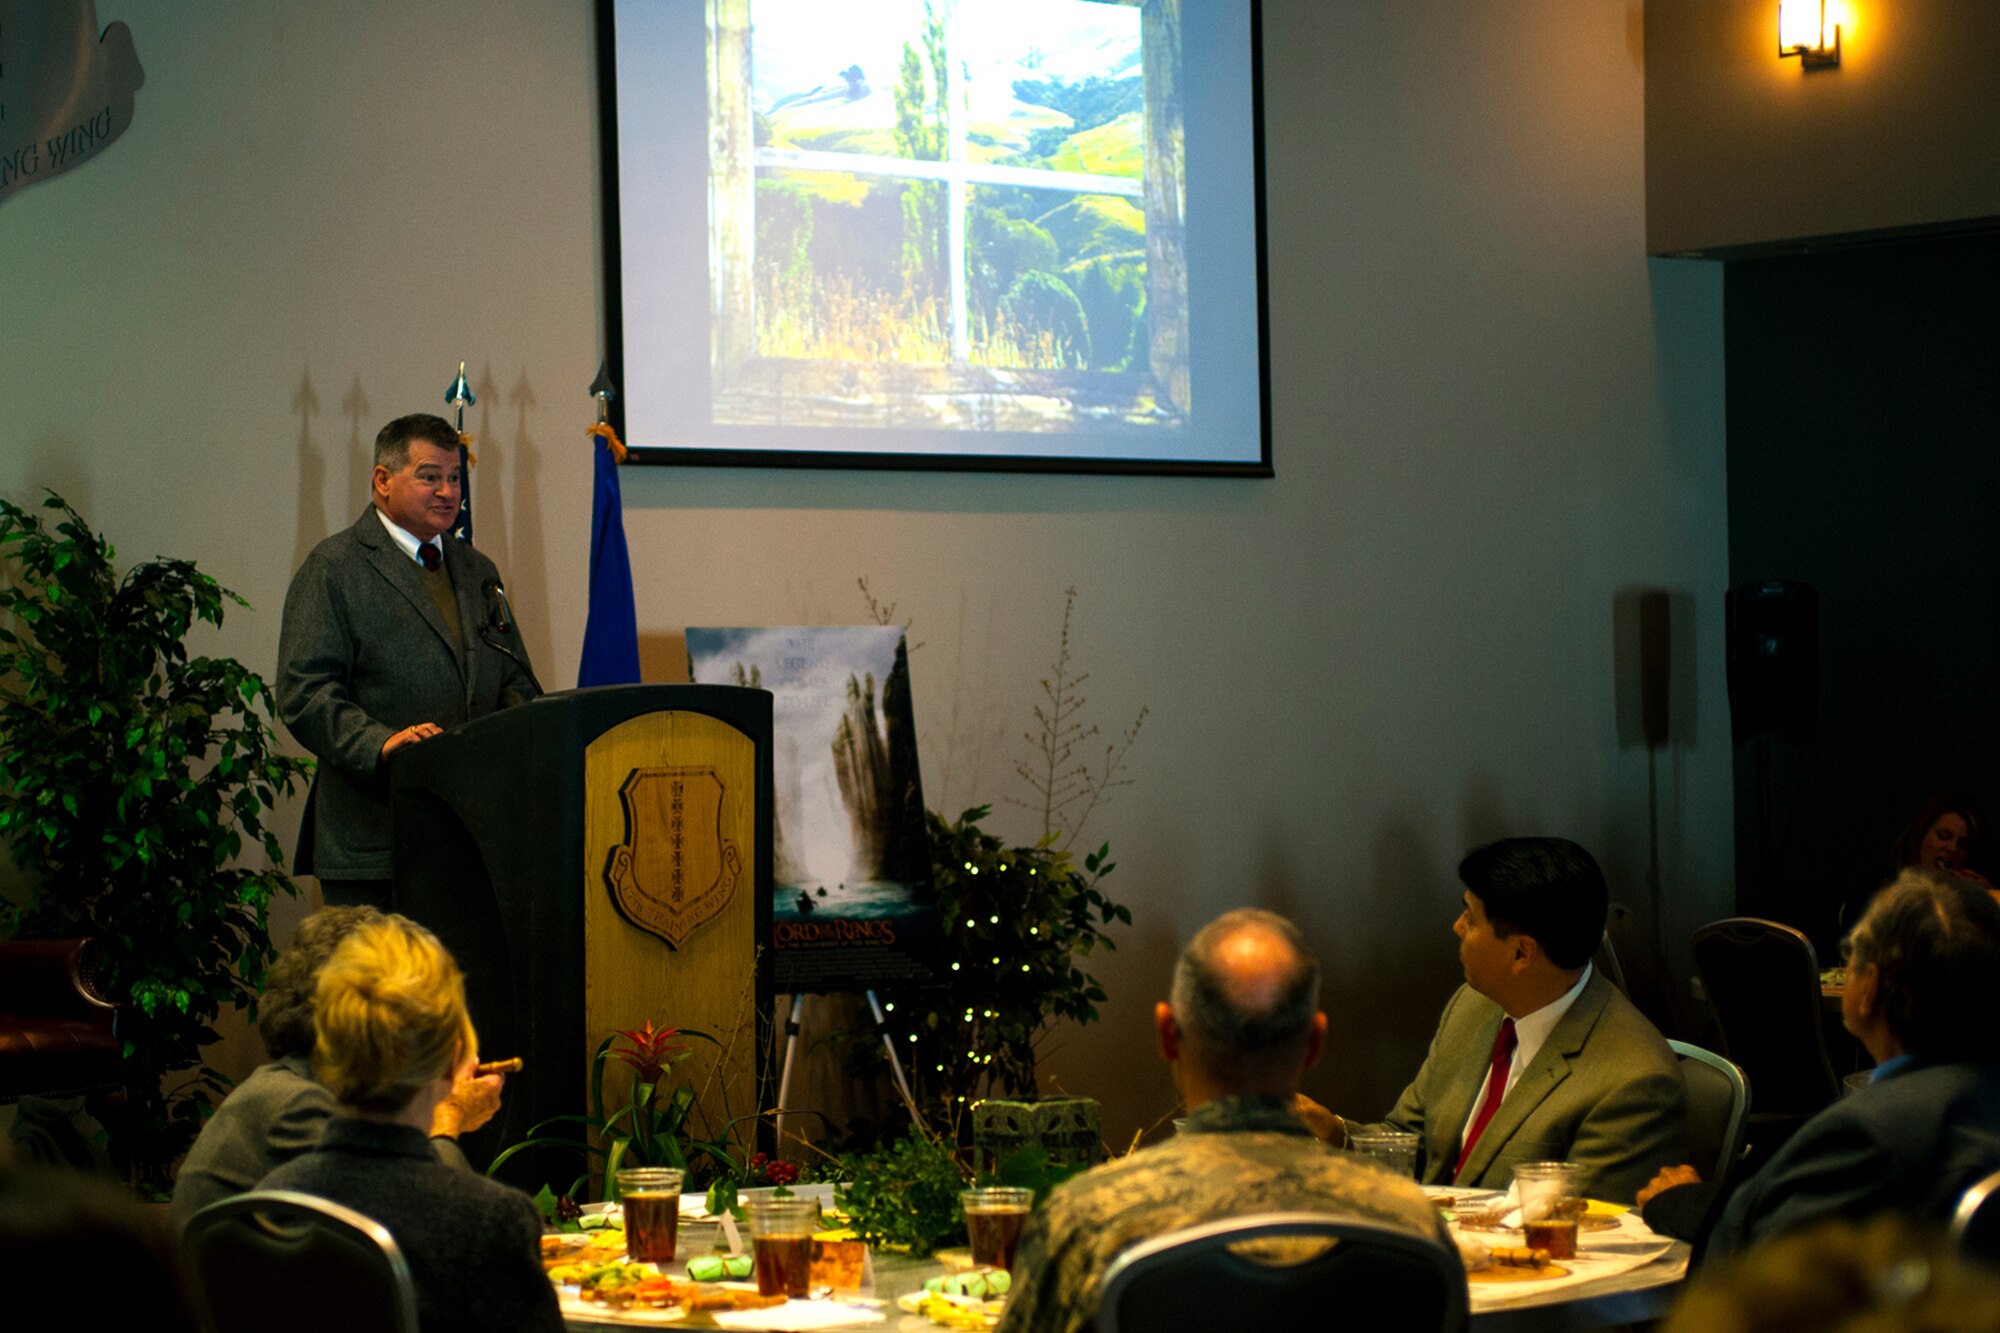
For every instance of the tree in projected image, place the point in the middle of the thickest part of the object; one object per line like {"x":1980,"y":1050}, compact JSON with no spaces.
{"x":923,"y":134}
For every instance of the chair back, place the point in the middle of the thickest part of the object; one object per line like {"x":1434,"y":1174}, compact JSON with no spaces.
{"x":275,"y":1257}
{"x":1375,"y":1277}
{"x":1762,"y":980}
{"x":1975,"y":1226}
{"x":1605,"y":960}
{"x":1718,"y":1110}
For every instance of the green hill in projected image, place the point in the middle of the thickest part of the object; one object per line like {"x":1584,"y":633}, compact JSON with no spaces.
{"x":1095,"y":225}
{"x":1095,"y":125}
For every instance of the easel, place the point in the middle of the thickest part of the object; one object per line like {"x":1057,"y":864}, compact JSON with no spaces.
{"x":792,"y":1048}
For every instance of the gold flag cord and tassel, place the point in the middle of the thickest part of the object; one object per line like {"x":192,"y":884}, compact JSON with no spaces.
{"x":603,"y":431}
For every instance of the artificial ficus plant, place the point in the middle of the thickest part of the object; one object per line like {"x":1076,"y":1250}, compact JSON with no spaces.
{"x":133,"y":777}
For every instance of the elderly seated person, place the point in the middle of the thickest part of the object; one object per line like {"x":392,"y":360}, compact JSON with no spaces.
{"x":391,"y":1036}
{"x":1920,"y":970}
{"x":279,"y":1111}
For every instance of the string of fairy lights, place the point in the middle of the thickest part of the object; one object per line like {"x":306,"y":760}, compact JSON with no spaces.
{"x":972,"y":923}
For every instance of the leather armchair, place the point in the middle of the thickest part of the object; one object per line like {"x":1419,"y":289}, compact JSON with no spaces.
{"x":58,"y":1035}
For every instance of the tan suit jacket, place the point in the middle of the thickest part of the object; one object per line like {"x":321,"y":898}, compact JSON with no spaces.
{"x":1604,"y":1092}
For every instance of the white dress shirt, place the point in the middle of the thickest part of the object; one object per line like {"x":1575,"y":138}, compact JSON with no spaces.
{"x":1531,"y":1033}
{"x":408,"y":540}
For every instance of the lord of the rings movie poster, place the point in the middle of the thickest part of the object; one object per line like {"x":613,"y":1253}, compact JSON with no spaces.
{"x":853,"y":904}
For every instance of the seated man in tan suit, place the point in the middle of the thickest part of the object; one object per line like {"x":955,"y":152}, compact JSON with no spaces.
{"x":1537,"y":1057}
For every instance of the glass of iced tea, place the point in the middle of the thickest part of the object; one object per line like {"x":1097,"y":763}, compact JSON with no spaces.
{"x":994,"y":1220}
{"x":1548,"y":1198}
{"x":652,"y":1197}
{"x":781,"y":1238}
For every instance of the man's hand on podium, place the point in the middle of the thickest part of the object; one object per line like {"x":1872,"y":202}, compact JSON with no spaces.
{"x":422,"y":731}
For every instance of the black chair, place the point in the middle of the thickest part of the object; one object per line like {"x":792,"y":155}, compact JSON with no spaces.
{"x":274,"y":1258}
{"x":1762,"y":980}
{"x":1975,"y":1225}
{"x":1605,"y":960}
{"x":1370,"y":1277}
{"x":1718,"y":1110}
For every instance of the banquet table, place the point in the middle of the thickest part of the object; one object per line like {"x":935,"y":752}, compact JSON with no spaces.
{"x":1584,"y":1301}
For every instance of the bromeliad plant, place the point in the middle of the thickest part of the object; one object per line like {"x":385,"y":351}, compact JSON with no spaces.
{"x":650,"y":1129}
{"x":133,"y":777}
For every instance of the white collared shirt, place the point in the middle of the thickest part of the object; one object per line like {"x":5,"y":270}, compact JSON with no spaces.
{"x":407,"y":540}
{"x":1531,"y":1033}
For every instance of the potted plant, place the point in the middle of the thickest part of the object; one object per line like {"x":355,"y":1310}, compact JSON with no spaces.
{"x":1017,"y":921}
{"x":650,"y":1129}
{"x":132,"y":779}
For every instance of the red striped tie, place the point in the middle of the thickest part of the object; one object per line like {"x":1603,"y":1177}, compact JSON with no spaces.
{"x":1496,"y":1088}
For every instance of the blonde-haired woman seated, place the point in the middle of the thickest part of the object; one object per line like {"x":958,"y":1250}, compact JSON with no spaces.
{"x":390,"y":1034}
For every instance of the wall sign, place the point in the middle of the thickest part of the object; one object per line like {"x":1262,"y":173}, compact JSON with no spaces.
{"x":65,"y":88}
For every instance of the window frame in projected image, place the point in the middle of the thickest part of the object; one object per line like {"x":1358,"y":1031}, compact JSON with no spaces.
{"x":977,"y":252}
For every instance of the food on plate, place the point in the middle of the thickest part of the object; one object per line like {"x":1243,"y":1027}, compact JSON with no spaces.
{"x":593,"y":1276}
{"x":978,"y":1283}
{"x":572,"y":1272}
{"x":653,"y":1293}
{"x":964,"y":1312}
{"x":1490,"y":1219}
{"x":1519,"y":1256}
{"x":705,"y":1299}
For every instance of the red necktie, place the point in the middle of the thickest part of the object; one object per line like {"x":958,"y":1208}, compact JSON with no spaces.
{"x":1496,"y":1088}
{"x":431,"y":556}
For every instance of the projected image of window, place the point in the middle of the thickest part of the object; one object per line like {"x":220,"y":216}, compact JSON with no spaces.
{"x":943,"y":215}
{"x":936,"y":233}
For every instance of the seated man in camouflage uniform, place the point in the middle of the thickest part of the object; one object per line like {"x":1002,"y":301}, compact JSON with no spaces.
{"x":1243,"y":1025}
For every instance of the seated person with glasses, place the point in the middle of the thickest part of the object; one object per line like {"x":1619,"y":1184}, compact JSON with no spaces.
{"x":1920,"y":973}
{"x":391,"y":1037}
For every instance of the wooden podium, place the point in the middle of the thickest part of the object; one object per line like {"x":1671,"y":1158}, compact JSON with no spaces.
{"x":596,"y":859}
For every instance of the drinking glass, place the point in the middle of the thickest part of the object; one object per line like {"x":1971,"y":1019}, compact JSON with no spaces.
{"x":1394,"y":1148}
{"x":652,"y":1196}
{"x":781,"y":1232}
{"x":1550,"y":1206}
{"x":994,"y":1220}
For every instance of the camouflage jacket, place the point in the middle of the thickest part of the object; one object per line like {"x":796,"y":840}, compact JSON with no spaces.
{"x":1236,"y":1156}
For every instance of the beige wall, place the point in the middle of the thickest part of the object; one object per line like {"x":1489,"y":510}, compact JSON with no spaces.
{"x":1492,"y":414}
{"x":1744,"y":149}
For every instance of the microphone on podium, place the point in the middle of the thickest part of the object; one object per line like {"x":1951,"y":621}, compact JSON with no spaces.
{"x":500,"y":621}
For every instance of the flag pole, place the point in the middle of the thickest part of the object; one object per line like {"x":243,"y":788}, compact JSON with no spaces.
{"x":459,"y":394}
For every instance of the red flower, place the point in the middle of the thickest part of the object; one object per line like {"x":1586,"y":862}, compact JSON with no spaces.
{"x":652,"y":1051}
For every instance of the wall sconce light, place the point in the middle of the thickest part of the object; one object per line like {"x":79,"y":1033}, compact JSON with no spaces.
{"x":1802,"y":32}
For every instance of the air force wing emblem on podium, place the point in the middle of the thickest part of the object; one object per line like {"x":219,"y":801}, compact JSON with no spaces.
{"x":675,"y":872}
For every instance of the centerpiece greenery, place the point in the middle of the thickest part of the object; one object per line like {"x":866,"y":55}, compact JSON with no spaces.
{"x":132,"y":778}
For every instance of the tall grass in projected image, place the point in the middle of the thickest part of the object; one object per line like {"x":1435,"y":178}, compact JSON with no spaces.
{"x":947,"y":213}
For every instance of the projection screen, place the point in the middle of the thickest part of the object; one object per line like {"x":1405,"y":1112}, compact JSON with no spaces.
{"x":991,"y":234}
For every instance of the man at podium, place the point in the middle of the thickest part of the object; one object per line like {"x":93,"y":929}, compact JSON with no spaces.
{"x":391,"y":634}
